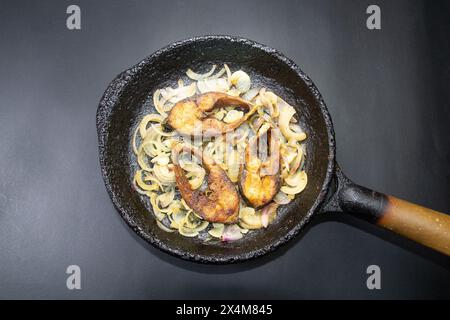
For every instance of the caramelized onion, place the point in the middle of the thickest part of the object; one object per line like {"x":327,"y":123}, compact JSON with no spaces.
{"x":198,"y":76}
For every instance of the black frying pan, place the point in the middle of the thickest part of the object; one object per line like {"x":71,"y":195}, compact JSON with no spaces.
{"x":127,"y":98}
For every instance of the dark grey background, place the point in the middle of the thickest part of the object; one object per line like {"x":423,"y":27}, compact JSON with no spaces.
{"x":387,"y":92}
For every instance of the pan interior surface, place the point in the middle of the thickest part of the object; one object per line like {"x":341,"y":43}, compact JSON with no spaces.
{"x":129,"y":97}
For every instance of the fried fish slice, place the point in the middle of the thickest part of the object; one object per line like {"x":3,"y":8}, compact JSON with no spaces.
{"x":220,"y":201}
{"x":193,"y":116}
{"x":259,"y":180}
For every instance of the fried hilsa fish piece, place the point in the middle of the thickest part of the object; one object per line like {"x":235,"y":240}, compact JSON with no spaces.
{"x":259,"y":180}
{"x":193,"y":116}
{"x":220,"y":201}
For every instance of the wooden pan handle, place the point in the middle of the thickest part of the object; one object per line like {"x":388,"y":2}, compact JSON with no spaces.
{"x":423,"y":225}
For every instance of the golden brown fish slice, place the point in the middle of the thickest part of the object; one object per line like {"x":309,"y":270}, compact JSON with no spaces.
{"x":260,"y":181}
{"x":220,"y":202}
{"x":192,"y":116}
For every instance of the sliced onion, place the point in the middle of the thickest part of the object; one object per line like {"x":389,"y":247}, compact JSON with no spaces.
{"x":164,"y":174}
{"x":220,"y":114}
{"x":268,"y":213}
{"x":189,"y":165}
{"x":149,"y":177}
{"x":250,"y":94}
{"x":227,"y":69}
{"x":242,"y":133}
{"x":166,"y":145}
{"x":162,"y":159}
{"x":139,"y":190}
{"x":233,"y":115}
{"x":175,"y":206}
{"x":295,"y":127}
{"x":297,"y":161}
{"x":243,"y":230}
{"x":141,"y":158}
{"x":231,"y":233}
{"x":187,"y":232}
{"x":166,"y":198}
{"x":201,"y":226}
{"x":135,"y":149}
{"x":141,"y":184}
{"x":156,"y":209}
{"x":291,"y":154}
{"x":180,"y":93}
{"x":196,"y":178}
{"x":297,"y":183}
{"x":269,"y":100}
{"x":178,"y":219}
{"x":198,"y":76}
{"x":281,"y":198}
{"x":217,"y":85}
{"x":250,"y":218}
{"x":245,"y":226}
{"x":288,"y":154}
{"x":163,"y":227}
{"x":146,"y":120}
{"x":217,"y":231}
{"x":257,"y":123}
{"x":185,"y":205}
{"x":233,"y":165}
{"x":159,"y":103}
{"x":286,"y":113}
{"x":195,"y":173}
{"x":152,"y":144}
{"x":218,"y":74}
{"x":234,"y":92}
{"x":241,"y":80}
{"x":167,"y":107}
{"x":158,"y":130}
{"x":294,"y":179}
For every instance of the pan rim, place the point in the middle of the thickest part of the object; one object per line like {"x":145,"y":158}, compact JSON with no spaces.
{"x":106,"y":106}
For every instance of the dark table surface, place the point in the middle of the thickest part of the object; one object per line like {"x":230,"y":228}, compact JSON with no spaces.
{"x":387,"y":91}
